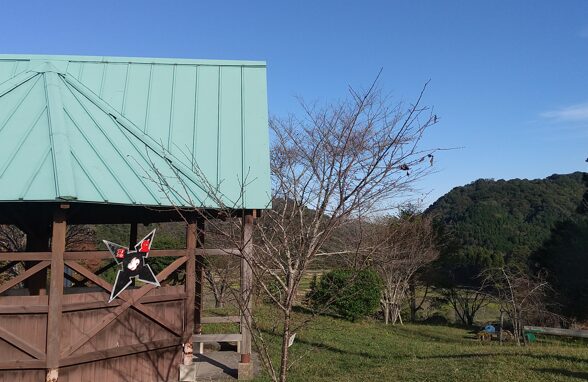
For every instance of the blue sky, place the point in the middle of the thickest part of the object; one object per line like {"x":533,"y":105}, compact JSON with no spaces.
{"x":508,"y":79}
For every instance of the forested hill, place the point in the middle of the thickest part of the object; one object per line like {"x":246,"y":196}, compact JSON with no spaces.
{"x":507,"y":220}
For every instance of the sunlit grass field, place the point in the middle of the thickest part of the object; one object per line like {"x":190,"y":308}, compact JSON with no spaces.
{"x":331,"y":349}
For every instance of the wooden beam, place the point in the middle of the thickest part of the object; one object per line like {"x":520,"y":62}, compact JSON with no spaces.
{"x":84,"y":280}
{"x":190,"y":284}
{"x":25,"y":256}
{"x":23,"y":276}
{"x":135,"y":296}
{"x":218,"y":337}
{"x":246,"y":286}
{"x":121,"y":351}
{"x":218,"y":252}
{"x":22,"y":364}
{"x":199,"y":277}
{"x":21,"y":344}
{"x":91,"y":255}
{"x":80,"y":306}
{"x":56,"y":289}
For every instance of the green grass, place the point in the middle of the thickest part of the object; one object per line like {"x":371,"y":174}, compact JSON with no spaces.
{"x":335,"y":350}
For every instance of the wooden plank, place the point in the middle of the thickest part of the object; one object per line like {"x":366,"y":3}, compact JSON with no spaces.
{"x":217,"y":338}
{"x":84,"y":280}
{"x":557,"y":331}
{"x":92,"y":255}
{"x":121,"y":351}
{"x":21,"y":344}
{"x":199,"y":277}
{"x":135,"y":296}
{"x":22,"y":364}
{"x":149,"y":312}
{"x":221,"y":320}
{"x":105,"y":304}
{"x":190,"y":284}
{"x":80,"y":306}
{"x":218,"y":252}
{"x":23,"y":309}
{"x":25,"y":256}
{"x":24,"y":275}
{"x":56,"y":289}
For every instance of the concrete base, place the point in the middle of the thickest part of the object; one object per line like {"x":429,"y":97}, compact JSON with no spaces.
{"x":245,"y":371}
{"x":219,"y":366}
{"x":188,"y":373}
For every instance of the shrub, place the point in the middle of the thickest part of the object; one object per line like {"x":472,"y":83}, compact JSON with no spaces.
{"x":348,"y":293}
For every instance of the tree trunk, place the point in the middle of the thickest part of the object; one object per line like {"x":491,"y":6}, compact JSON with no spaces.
{"x":413,"y":307}
{"x":219,"y":302}
{"x":285,"y":348}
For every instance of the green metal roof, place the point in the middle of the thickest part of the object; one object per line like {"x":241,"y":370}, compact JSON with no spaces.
{"x":107,"y":130}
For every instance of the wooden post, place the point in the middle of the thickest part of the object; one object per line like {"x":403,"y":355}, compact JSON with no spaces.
{"x":199,"y":278}
{"x":55,"y":294}
{"x":37,"y":241}
{"x":190,"y":292}
{"x":246,"y":286}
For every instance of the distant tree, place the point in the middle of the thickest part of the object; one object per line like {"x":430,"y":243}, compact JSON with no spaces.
{"x":351,"y":294}
{"x":521,"y":296}
{"x":565,"y":258}
{"x":401,"y":247}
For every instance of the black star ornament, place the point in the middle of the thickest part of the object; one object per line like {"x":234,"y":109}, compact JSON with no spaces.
{"x":132,"y":264}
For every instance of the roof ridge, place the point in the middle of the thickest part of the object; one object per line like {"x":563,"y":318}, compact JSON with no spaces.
{"x":60,"y":147}
{"x":141,"y":60}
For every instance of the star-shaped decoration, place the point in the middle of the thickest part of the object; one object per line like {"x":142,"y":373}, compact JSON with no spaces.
{"x":132,"y":264}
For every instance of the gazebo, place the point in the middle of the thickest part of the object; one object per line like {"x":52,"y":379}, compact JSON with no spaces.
{"x":105,"y":140}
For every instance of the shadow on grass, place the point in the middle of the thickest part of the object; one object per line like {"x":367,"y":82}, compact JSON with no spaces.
{"x":581,"y":375}
{"x":305,"y":310}
{"x":541,"y":357}
{"x":408,"y":333}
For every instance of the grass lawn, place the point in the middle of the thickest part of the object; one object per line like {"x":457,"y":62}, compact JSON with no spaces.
{"x":335,"y":350}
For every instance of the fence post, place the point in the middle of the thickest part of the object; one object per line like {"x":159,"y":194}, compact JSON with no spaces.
{"x":245,"y":369}
{"x":190,"y":292}
{"x":56,"y":294}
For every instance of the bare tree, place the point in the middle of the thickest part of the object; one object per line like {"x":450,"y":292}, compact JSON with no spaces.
{"x":519,"y":295}
{"x":341,"y":162}
{"x":466,"y":302}
{"x":337,"y":164}
{"x":402,"y":246}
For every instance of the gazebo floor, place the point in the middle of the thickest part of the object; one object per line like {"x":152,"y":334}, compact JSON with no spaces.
{"x":216,"y":365}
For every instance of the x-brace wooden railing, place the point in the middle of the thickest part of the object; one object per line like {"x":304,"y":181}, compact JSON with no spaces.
{"x":131,"y":300}
{"x":9,"y":337}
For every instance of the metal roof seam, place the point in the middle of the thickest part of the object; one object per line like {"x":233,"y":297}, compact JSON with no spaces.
{"x":58,"y":135}
{"x":14,"y":82}
{"x":32,"y":178}
{"x":128,"y":125}
{"x":19,"y":103}
{"x":21,"y":141}
{"x":83,"y":168}
{"x":97,"y":152}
